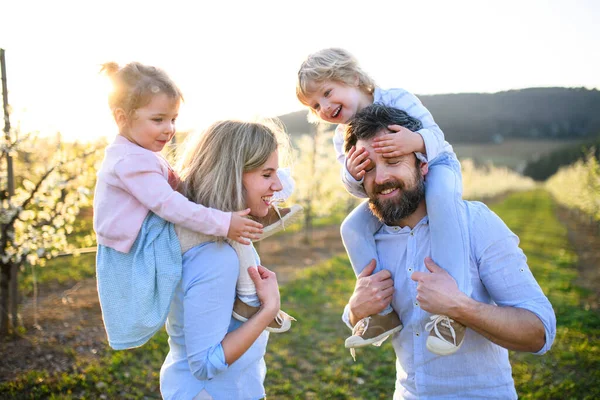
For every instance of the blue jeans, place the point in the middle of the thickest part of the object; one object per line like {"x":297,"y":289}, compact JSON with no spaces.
{"x":447,"y":225}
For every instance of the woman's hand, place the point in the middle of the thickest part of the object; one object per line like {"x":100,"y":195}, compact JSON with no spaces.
{"x":267,"y":288}
{"x":241,"y":228}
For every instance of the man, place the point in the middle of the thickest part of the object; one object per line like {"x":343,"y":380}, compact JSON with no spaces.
{"x":507,"y":308}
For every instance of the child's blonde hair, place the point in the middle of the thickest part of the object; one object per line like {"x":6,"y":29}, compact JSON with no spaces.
{"x":331,"y":64}
{"x":135,"y":84}
{"x":212,"y":163}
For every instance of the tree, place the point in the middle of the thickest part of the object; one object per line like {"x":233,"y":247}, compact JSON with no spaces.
{"x":36,"y":220}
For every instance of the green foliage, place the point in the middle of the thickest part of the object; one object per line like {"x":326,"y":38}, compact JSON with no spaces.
{"x":578,"y":186}
{"x":548,"y":165}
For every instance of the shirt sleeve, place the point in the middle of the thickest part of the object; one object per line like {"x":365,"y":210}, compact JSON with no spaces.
{"x":141,"y":176}
{"x":504,"y":272}
{"x":432,"y":135}
{"x":353,"y":186}
{"x":210,"y":274}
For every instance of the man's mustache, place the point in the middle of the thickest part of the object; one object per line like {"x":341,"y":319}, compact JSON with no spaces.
{"x":388,"y":185}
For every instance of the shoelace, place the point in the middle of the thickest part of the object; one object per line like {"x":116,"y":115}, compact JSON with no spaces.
{"x":276,"y":208}
{"x":443,"y":320}
{"x":358,"y":330}
{"x":362,"y":324}
{"x":283,"y":316}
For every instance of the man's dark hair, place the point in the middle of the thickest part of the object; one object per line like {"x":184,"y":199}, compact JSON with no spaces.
{"x":372,"y":119}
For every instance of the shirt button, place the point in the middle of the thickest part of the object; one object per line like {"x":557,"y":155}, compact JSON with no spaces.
{"x":410,"y":270}
{"x":416,"y":304}
{"x":417,"y":334}
{"x":412,"y":234}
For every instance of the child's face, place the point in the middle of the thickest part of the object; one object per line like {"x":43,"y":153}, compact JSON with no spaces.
{"x":337,"y":102}
{"x":153,"y":125}
{"x":260,"y":185}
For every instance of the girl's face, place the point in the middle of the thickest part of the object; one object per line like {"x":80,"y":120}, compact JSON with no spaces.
{"x":260,"y":184}
{"x":337,"y":102}
{"x":151,"y":126}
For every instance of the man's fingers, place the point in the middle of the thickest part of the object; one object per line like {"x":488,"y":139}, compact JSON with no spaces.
{"x":432,"y":266}
{"x":417,"y":276}
{"x":368,"y":270}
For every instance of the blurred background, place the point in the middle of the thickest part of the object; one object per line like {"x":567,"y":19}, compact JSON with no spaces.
{"x":513,"y":85}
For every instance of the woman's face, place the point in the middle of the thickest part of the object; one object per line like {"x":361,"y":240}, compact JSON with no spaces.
{"x":260,"y":184}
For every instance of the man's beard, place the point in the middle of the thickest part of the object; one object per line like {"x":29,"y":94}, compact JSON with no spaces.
{"x":401,"y":206}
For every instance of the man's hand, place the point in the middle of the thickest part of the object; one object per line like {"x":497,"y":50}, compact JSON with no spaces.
{"x":437,"y":291}
{"x":356,"y":162}
{"x":402,"y":142}
{"x":372,"y":293}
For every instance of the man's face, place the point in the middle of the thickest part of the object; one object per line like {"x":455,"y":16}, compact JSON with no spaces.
{"x":395,"y":186}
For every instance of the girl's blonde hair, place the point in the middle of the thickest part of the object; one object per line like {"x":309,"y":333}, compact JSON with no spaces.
{"x":212,"y":163}
{"x":331,"y":64}
{"x":135,"y":84}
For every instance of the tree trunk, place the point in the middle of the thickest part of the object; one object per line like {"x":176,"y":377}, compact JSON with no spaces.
{"x":14,"y":295}
{"x":4,"y":284}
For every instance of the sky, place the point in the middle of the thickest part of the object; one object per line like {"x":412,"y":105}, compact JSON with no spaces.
{"x":239,"y":59}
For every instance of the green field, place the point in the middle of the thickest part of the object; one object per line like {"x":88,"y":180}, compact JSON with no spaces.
{"x":311,"y":362}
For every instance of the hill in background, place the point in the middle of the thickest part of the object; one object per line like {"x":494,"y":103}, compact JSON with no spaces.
{"x":535,"y":113}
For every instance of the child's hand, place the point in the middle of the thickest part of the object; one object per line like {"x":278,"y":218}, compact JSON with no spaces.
{"x":356,"y":162}
{"x":402,"y":142}
{"x":267,"y":288}
{"x":241,"y":228}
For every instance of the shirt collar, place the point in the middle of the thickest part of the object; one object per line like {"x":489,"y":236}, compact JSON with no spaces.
{"x":394,"y":230}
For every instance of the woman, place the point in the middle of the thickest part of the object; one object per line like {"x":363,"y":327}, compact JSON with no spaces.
{"x":232,"y":166}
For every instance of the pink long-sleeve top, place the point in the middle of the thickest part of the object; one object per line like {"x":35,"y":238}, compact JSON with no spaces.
{"x":133,"y":181}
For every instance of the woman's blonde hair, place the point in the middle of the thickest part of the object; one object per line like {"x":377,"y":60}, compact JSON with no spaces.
{"x":331,"y":64}
{"x":134,"y":85}
{"x":212,"y":163}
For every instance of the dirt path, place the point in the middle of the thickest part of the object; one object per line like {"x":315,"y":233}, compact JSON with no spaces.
{"x":70,"y":318}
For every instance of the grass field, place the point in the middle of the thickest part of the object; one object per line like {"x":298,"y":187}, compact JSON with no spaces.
{"x":310,"y":361}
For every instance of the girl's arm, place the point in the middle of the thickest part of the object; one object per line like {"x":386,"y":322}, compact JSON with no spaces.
{"x":435,"y":143}
{"x":142,"y":177}
{"x":209,"y":278}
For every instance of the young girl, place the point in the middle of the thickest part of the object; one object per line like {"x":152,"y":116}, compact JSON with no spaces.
{"x":139,"y":260}
{"x":334,"y":87}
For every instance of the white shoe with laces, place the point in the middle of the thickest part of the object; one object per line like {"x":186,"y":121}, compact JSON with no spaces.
{"x":445,"y":335}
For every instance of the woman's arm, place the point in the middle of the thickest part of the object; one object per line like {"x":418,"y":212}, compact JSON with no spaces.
{"x":210,"y":273}
{"x":237,"y":342}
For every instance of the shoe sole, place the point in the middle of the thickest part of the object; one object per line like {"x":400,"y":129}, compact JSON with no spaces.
{"x":284,"y":328}
{"x":442,"y":352}
{"x":355,"y":342}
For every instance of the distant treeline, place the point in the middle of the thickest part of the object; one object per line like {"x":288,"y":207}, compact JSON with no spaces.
{"x":558,"y":113}
{"x":548,"y":165}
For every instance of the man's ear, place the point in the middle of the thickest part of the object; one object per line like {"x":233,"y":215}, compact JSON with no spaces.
{"x":424,"y":168}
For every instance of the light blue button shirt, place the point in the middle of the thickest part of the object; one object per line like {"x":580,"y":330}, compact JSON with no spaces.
{"x":199,"y":319}
{"x":500,"y":275}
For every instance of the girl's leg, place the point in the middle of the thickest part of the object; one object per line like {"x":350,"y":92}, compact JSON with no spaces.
{"x":245,"y":289}
{"x":358,"y":230}
{"x":447,"y":219}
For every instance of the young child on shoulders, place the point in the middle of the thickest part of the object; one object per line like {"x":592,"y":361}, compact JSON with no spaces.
{"x":136,"y":203}
{"x":334,"y":88}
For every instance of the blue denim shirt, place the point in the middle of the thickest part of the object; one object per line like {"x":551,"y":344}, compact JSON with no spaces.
{"x":500,"y":275}
{"x":199,"y":319}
